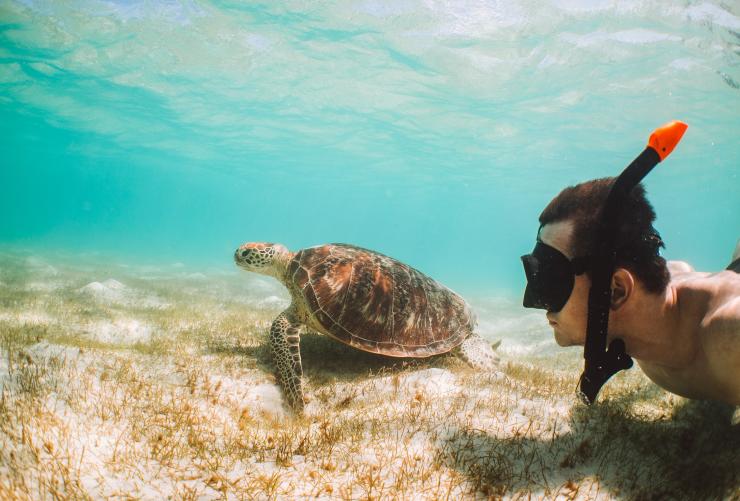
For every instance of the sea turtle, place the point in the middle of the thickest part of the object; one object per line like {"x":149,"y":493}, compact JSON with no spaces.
{"x":364,"y":299}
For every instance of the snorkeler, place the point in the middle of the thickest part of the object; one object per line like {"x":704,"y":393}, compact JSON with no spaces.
{"x":597,"y":270}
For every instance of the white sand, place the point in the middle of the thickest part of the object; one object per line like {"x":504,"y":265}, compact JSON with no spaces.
{"x":45,"y":285}
{"x":122,"y":331}
{"x":109,"y":290}
{"x":271,"y":303}
{"x":98,"y":416}
{"x":114,"y":292}
{"x":4,"y":372}
{"x":25,"y":317}
{"x":262,"y":399}
{"x":45,"y":351}
{"x":40,"y":265}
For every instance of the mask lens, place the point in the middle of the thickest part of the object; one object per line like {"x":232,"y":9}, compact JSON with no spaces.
{"x":550,"y":278}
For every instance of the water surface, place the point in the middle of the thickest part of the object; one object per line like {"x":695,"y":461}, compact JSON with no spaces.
{"x":431,"y":131}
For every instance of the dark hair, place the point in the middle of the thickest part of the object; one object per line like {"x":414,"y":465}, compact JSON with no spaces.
{"x":637,"y":241}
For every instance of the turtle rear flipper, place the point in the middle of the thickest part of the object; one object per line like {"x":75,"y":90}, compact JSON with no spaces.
{"x":477,"y":352}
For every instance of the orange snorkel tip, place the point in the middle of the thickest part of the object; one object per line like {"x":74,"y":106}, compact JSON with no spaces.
{"x":665,"y":138}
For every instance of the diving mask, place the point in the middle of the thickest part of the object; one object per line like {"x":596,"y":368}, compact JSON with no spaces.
{"x":550,"y":277}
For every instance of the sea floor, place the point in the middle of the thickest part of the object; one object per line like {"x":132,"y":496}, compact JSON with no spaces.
{"x":154,"y":382}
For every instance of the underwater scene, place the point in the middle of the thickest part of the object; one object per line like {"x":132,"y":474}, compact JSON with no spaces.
{"x":143,"y":142}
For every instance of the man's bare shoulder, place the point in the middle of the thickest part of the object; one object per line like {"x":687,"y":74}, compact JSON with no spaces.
{"x":681,"y":272}
{"x":710,"y":312}
{"x":679,"y":267}
{"x":717,"y":294}
{"x":724,"y":317}
{"x":710,"y":302}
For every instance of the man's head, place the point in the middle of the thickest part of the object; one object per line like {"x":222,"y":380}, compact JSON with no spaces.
{"x":557,"y":271}
{"x":637,"y":242}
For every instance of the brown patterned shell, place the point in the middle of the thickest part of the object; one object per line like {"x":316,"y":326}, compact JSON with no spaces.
{"x":377,"y":304}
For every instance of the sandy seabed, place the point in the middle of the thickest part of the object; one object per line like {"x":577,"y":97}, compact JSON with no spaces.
{"x":143,"y":382}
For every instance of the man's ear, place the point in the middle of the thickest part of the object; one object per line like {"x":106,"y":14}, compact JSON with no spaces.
{"x":623,"y":285}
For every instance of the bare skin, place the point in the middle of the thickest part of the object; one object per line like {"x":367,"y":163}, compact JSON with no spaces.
{"x":686,"y":340}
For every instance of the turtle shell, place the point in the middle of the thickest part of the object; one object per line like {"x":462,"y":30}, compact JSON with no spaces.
{"x":378,"y":304}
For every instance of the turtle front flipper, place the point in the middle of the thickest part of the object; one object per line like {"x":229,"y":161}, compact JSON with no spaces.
{"x":286,"y":355}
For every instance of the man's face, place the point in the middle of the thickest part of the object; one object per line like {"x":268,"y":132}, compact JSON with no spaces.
{"x":569,"y":324}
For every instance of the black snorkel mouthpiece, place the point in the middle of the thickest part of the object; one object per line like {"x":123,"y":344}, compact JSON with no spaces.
{"x":600,"y":363}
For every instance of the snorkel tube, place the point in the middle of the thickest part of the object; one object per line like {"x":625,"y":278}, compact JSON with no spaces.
{"x":600,"y":363}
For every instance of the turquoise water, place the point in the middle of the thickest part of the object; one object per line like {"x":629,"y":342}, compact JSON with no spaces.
{"x":434,"y":132}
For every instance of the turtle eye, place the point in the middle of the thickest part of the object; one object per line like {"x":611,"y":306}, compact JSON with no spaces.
{"x":245,"y":253}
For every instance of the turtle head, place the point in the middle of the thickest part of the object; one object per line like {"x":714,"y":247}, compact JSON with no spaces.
{"x":262,"y":257}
